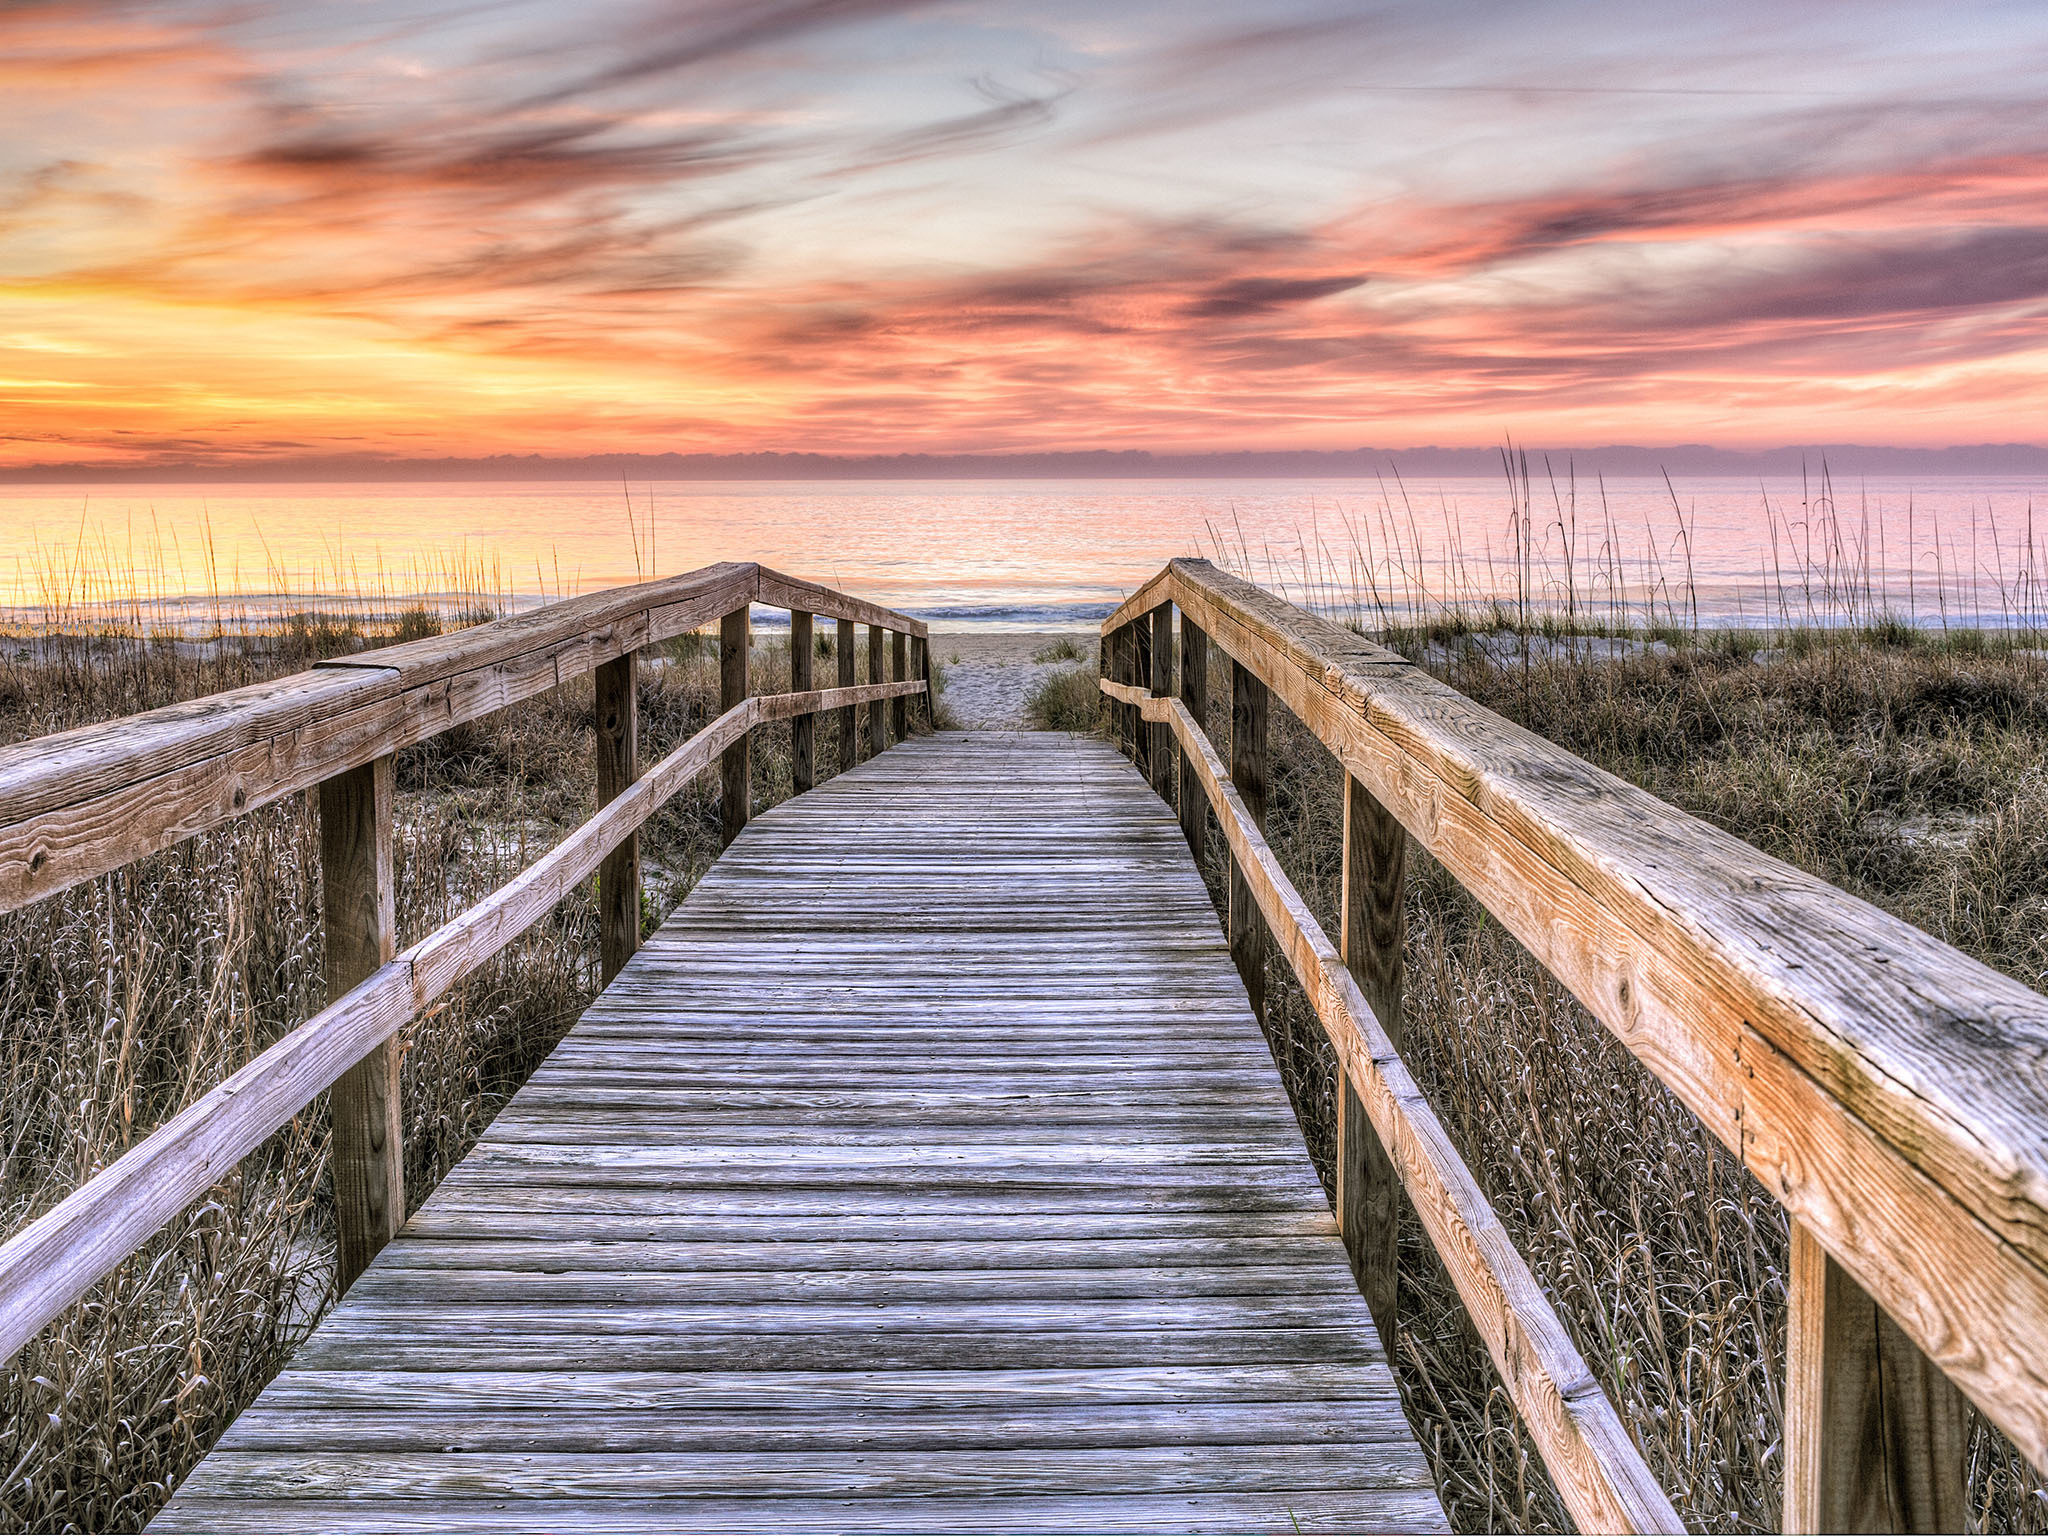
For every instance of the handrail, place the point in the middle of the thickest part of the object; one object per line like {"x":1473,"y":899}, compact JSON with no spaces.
{"x":1889,"y":1091}
{"x":83,"y":802}
{"x":1610,"y":1489}
{"x":51,"y":1263}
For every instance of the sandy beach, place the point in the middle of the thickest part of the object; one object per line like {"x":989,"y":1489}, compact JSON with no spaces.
{"x":989,"y":676}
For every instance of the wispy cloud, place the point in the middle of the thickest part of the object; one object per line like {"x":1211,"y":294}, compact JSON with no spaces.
{"x":870,"y":223}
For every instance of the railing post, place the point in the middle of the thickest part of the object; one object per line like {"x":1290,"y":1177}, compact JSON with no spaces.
{"x":1194,"y":693}
{"x":1372,"y":930}
{"x":803,"y":730}
{"x":899,"y":671}
{"x":1875,"y":1434}
{"x":736,"y":767}
{"x":358,"y":894}
{"x":1124,"y":659}
{"x":849,"y":734}
{"x":1141,"y":677}
{"x":921,"y":669}
{"x":878,"y":711}
{"x":1161,"y":683}
{"x":618,"y":765}
{"x":1248,"y":773}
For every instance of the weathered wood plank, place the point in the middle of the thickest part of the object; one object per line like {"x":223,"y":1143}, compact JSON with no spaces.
{"x":878,"y":724}
{"x":1596,"y":1466}
{"x":803,"y":728}
{"x":1159,"y":677}
{"x":618,"y":765}
{"x":1372,"y":931}
{"x":736,"y":767}
{"x":358,"y":901}
{"x":83,"y":802}
{"x":1887,"y":1089}
{"x":1875,"y":1436}
{"x":1248,"y":769}
{"x":1194,"y":692}
{"x":1032,"y":1233}
{"x":1308,"y":1510}
{"x":899,"y":671}
{"x":849,"y":738}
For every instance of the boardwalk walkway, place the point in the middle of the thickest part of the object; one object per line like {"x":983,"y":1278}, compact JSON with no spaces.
{"x":925,"y":1172}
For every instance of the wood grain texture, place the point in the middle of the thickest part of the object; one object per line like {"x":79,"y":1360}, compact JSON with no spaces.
{"x":53,"y":1261}
{"x":1885,"y":1088}
{"x":1248,"y":771}
{"x":899,"y":671}
{"x":803,"y":729}
{"x":996,"y":1221}
{"x":1160,"y":680}
{"x":617,"y":745}
{"x":82,"y":802}
{"x":849,"y":735}
{"x":358,"y":890}
{"x":1194,"y":693}
{"x":736,"y":768}
{"x":1596,"y":1466}
{"x":777,"y":590}
{"x":1140,"y":676}
{"x":1875,"y":1436}
{"x":1372,"y":933}
{"x":878,"y":716}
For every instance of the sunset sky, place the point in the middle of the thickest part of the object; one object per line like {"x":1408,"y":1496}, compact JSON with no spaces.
{"x":236,"y":230}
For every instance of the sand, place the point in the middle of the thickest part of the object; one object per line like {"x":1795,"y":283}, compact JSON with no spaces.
{"x":988,"y":676}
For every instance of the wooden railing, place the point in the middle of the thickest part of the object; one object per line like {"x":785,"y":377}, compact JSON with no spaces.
{"x":88,"y":801}
{"x":1889,"y":1091}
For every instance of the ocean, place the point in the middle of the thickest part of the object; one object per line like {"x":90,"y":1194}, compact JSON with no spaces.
{"x":1049,"y":554}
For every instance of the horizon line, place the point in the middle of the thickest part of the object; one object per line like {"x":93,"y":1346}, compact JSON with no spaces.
{"x":1090,"y":463}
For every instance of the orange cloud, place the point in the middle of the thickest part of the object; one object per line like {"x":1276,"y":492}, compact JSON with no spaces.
{"x":233,"y":239}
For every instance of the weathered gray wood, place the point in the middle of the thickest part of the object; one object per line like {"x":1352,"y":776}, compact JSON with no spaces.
{"x":878,"y":716}
{"x":1160,"y":680}
{"x":803,"y":729}
{"x":358,"y":897}
{"x":899,"y":671}
{"x":58,"y":1257}
{"x":849,"y":736}
{"x":1248,"y":733}
{"x":1595,"y":1464}
{"x":1372,"y":931}
{"x":736,"y":768}
{"x":1875,"y":1435}
{"x":1031,"y":1244}
{"x":1884,"y":1087}
{"x":618,"y":765}
{"x":1140,"y":666}
{"x":83,"y":802}
{"x":1194,"y":693}
{"x":1376,"y":1509}
{"x":777,"y":590}
{"x":921,"y":669}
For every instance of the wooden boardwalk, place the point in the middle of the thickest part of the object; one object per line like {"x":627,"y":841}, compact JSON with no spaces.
{"x":927,"y":1171}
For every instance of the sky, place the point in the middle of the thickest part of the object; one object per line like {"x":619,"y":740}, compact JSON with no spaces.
{"x":233,"y":230}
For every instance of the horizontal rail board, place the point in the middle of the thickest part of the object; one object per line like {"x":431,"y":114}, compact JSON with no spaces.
{"x":1891,"y":1092}
{"x":1597,"y":1468}
{"x":83,"y":802}
{"x":56,"y":1259}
